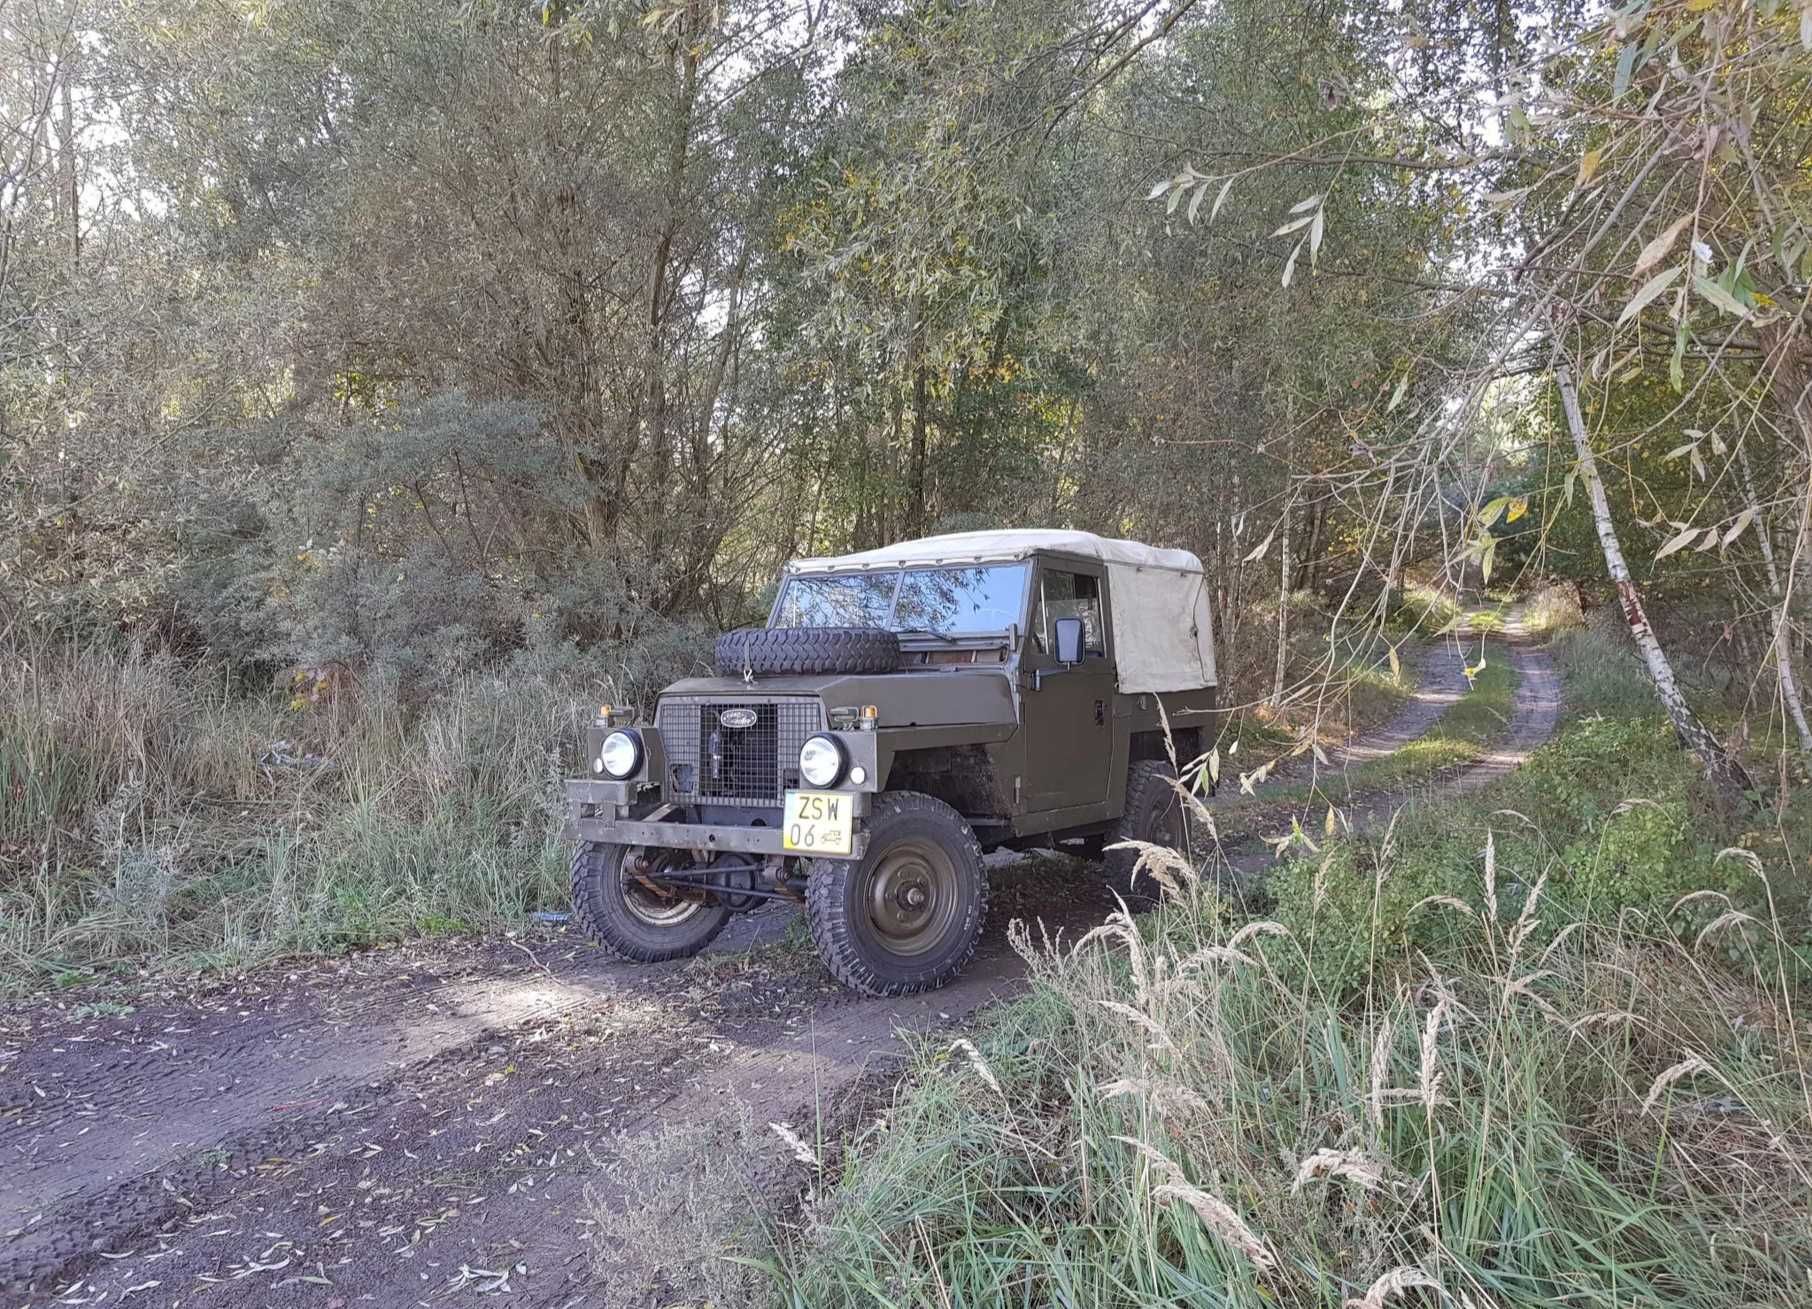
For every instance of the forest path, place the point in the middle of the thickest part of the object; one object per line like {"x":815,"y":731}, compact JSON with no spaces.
{"x":420,"y":1124}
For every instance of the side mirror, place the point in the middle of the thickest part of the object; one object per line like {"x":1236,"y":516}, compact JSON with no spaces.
{"x":1068,"y":635}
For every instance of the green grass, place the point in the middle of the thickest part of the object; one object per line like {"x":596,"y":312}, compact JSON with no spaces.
{"x":1459,"y":736}
{"x":1543,"y":1088}
{"x":144,"y":824}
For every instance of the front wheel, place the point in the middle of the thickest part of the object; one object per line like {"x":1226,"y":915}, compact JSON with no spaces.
{"x":630,"y":915}
{"x":907,"y":915}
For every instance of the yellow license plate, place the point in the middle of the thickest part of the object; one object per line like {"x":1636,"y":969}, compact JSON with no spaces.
{"x":819,"y":822}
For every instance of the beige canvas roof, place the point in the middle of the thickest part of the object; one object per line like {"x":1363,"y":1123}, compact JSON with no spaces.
{"x":974,"y":547}
{"x":1158,"y":599}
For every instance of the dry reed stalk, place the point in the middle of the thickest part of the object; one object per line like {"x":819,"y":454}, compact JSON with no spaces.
{"x":801,"y":1151}
{"x":1395,"y":1282}
{"x":980,"y":1065}
{"x":1370,"y":1173}
{"x":1685,"y":1068}
{"x":1260,"y":927}
{"x":1158,"y":1160}
{"x":1168,"y":1098}
{"x":1381,"y":1043}
{"x":1126,"y":1011}
{"x":1218,"y":1217}
{"x":1428,"y":1074}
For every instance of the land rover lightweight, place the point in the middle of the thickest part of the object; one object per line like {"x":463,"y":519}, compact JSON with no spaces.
{"x":904,"y":710}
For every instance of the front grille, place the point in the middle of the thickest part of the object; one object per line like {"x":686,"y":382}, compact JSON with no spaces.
{"x":752,"y":765}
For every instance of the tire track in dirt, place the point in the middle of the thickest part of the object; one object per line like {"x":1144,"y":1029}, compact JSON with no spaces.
{"x":1534,"y":714}
{"x":414,"y":1125}
{"x":446,"y":1107}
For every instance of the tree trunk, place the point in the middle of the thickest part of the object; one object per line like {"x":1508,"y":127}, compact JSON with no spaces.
{"x":1311,"y":554}
{"x":1724,"y":771}
{"x":915,"y":487}
{"x":1783,"y":644}
{"x":1283,"y":610}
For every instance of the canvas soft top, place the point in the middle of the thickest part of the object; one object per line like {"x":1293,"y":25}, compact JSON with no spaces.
{"x":977,"y":547}
{"x":1163,"y":630}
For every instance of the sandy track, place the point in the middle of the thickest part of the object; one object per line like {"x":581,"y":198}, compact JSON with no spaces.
{"x":410,"y":1125}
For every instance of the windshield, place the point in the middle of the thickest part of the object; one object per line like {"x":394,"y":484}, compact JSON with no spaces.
{"x":950,"y":601}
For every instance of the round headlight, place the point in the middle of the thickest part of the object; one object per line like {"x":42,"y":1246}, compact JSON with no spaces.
{"x":821,"y":761}
{"x":621,"y":754}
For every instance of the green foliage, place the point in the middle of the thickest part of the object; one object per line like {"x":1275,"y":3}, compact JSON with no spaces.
{"x":1363,"y":907}
{"x":1646,"y":855}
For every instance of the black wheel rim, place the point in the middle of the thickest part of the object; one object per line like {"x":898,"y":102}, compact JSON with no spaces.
{"x":646,"y":903}
{"x":912,"y":896}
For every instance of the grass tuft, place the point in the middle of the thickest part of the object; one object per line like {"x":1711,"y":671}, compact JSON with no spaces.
{"x":153,"y":813}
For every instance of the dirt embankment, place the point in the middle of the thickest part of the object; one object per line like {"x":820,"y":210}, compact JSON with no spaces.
{"x":416,"y":1125}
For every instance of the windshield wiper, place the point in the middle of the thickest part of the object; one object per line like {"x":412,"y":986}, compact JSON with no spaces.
{"x":945,"y":637}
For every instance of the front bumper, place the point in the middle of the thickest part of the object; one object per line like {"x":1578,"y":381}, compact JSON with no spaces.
{"x":600,"y":814}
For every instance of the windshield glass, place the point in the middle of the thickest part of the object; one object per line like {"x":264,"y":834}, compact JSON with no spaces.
{"x":844,"y":601}
{"x":951,"y":601}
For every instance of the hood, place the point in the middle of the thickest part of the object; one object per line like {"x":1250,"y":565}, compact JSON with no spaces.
{"x":923,"y":698}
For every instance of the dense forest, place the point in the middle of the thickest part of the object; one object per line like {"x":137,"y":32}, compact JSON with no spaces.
{"x":362,"y":345}
{"x":386,"y":386}
{"x":374,"y":336}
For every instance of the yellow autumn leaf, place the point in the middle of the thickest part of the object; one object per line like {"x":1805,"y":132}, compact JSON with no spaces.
{"x":1518,"y":507}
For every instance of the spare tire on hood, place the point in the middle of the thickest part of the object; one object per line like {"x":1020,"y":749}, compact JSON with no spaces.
{"x":783,"y":651}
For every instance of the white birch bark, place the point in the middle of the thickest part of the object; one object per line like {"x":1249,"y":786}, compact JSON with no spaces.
{"x":1723,"y":770}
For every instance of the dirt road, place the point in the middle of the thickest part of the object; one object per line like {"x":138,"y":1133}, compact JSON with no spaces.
{"x":419,"y":1125}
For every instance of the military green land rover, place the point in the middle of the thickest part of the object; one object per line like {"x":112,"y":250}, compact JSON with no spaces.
{"x":904,"y":710}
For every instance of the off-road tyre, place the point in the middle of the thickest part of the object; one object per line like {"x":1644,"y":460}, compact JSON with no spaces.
{"x":602,"y":900}
{"x":907,"y":834}
{"x":784,"y":651}
{"x":1154,"y":813}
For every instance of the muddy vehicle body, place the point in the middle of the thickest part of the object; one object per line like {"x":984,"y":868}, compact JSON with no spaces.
{"x":905,"y":710}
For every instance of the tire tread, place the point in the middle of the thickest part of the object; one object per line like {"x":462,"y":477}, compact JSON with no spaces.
{"x":830,"y":928}
{"x":591,"y":871}
{"x":807,"y":651}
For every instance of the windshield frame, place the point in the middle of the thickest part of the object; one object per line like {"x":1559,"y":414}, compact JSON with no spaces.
{"x":1026,"y":598}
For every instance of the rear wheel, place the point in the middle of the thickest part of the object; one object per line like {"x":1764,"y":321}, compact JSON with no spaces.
{"x":907,"y":915}
{"x":629,"y":914}
{"x":1154,"y":813}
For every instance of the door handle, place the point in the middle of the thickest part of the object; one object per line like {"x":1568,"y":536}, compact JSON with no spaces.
{"x":1100,"y":713}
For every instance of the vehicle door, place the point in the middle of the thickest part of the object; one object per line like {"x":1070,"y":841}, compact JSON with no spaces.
{"x":1068,"y":712}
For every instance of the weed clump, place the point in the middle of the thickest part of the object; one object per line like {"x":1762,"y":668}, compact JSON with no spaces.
{"x":155,"y":811}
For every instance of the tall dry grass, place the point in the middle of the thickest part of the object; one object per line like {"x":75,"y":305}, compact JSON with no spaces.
{"x":1540,"y":1101}
{"x":151,"y":811}
{"x":1606,"y":1119}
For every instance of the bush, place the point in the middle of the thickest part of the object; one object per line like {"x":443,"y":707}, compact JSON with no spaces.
{"x":1359,"y":908}
{"x":1555,"y":607}
{"x":1645,"y":855}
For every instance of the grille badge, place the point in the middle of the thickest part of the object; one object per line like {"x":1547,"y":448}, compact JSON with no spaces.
{"x":737,"y":717}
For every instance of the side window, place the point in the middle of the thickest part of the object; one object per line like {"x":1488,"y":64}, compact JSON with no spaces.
{"x":1069,"y":595}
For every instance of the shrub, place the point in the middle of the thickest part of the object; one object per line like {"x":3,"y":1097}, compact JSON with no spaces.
{"x":1556,"y":607}
{"x":1644,"y":855}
